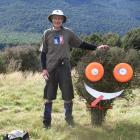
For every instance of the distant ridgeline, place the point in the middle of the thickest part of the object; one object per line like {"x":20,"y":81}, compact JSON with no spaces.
{"x":19,"y":38}
{"x":84,"y":16}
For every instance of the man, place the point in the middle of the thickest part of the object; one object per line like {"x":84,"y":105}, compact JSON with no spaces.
{"x":55,"y":60}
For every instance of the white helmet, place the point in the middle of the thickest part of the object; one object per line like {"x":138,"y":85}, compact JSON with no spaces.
{"x":57,"y":12}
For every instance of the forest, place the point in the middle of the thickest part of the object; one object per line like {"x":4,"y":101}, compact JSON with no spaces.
{"x":84,"y":17}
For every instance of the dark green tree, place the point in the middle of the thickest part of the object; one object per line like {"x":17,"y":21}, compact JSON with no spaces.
{"x":132,"y":39}
{"x":112,"y":39}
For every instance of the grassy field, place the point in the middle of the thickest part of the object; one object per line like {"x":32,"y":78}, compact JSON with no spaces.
{"x":21,"y":107}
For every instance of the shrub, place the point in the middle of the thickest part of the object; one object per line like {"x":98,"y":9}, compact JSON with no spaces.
{"x":2,"y":66}
{"x":21,"y":58}
{"x":109,"y":59}
{"x":132,"y":39}
{"x":112,"y":39}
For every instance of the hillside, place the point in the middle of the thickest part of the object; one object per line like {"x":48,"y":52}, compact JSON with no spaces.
{"x":21,"y":107}
{"x":84,"y":17}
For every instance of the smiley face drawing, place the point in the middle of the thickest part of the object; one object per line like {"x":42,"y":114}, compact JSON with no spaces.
{"x":122,"y":72}
{"x":106,"y":73}
{"x":103,"y":77}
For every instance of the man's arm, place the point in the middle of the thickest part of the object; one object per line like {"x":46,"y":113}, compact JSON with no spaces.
{"x":43,"y":64}
{"x":43,"y":60}
{"x":87,"y":46}
{"x":76,"y":42}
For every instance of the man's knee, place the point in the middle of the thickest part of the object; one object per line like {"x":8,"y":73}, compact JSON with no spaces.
{"x":70,"y":101}
{"x":47,"y":101}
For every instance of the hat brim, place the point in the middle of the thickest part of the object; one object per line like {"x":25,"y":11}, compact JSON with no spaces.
{"x":50,"y":18}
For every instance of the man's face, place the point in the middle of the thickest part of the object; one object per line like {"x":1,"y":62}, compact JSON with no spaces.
{"x":57,"y":21}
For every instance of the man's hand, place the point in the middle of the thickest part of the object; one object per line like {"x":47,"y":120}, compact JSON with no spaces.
{"x":45,"y":74}
{"x":104,"y":47}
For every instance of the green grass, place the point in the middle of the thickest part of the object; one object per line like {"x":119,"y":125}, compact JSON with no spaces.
{"x":21,"y":107}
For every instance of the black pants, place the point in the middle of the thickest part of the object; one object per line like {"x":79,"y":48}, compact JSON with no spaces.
{"x":60,"y":76}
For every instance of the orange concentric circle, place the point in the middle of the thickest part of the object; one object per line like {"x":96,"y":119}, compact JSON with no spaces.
{"x":94,"y":71}
{"x":123,"y":72}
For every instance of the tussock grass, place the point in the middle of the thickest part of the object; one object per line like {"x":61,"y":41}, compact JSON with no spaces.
{"x":21,"y":107}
